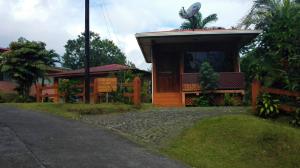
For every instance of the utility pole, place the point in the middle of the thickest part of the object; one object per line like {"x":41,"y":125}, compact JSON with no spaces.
{"x":87,"y":53}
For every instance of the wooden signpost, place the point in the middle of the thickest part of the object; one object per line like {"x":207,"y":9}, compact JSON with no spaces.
{"x":104,"y":85}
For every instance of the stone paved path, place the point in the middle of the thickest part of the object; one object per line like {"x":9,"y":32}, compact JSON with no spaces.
{"x":155,"y":127}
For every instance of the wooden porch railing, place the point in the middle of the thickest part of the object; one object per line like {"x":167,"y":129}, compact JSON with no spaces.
{"x":227,"y":81}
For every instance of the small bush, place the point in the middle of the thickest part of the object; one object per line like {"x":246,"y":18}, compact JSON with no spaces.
{"x":296,"y":118}
{"x":8,"y":97}
{"x":267,"y":107}
{"x":22,"y":99}
{"x":209,"y":78}
{"x":69,"y":90}
{"x":202,"y":101}
{"x":232,"y":100}
{"x":228,"y":99}
{"x":208,"y":81}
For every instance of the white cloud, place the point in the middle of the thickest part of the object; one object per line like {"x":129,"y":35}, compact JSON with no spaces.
{"x":56,"y":21}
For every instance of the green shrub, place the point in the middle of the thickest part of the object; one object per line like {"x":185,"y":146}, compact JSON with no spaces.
{"x":232,"y":99}
{"x":296,"y":118}
{"x":208,"y":81}
{"x":209,"y":78}
{"x":22,"y":99}
{"x":228,"y":100}
{"x":14,"y":98}
{"x":267,"y":107}
{"x":202,"y":101}
{"x":8,"y":97}
{"x":69,"y":90}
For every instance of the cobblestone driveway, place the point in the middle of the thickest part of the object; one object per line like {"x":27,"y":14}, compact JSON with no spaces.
{"x":154,"y":127}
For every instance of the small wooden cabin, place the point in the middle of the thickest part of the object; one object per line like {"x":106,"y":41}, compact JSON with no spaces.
{"x":177,"y":55}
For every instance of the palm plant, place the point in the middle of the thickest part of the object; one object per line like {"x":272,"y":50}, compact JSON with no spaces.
{"x":197,"y":21}
{"x":277,"y":48}
{"x":262,"y":10}
{"x":26,"y":62}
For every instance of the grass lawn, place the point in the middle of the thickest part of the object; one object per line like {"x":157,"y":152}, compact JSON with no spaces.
{"x":241,"y":141}
{"x":75,"y":111}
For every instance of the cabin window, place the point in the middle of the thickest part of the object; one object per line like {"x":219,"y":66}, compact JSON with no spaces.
{"x":218,"y":60}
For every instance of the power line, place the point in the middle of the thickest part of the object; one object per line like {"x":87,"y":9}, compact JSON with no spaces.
{"x":112,"y":25}
{"x":105,"y":19}
{"x":108,"y":20}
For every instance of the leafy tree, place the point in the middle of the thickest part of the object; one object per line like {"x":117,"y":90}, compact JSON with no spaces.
{"x":67,"y":87}
{"x":209,"y":81}
{"x":102,"y":52}
{"x":276,"y":51}
{"x":197,"y":21}
{"x":209,"y":78}
{"x":26,"y":62}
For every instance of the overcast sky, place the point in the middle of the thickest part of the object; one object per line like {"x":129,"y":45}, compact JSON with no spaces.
{"x":56,"y":21}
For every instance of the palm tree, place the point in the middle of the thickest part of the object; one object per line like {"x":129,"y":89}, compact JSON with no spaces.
{"x":262,"y":10}
{"x":277,"y":48}
{"x":26,"y":62}
{"x":197,"y":21}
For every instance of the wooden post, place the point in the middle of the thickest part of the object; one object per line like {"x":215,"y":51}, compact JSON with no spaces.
{"x":56,"y":94}
{"x":137,"y":91}
{"x":95,"y":91}
{"x":256,"y":87}
{"x":38,"y":93}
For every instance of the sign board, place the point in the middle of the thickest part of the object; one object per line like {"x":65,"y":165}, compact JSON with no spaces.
{"x":106,"y":85}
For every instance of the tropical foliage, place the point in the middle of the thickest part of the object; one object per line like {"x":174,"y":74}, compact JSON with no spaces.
{"x":267,"y":107}
{"x":102,"y":52}
{"x":296,"y":120}
{"x":67,"y":87}
{"x":209,"y":78}
{"x":209,"y":81}
{"x":197,"y":21}
{"x":274,"y":57}
{"x":26,"y":62}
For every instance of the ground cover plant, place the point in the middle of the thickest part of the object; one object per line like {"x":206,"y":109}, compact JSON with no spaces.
{"x":242,"y":141}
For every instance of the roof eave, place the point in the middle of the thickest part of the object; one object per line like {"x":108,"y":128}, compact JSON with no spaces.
{"x":192,"y":33}
{"x":166,"y":34}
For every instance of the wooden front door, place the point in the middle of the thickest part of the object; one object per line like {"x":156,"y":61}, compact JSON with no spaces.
{"x":168,"y":73}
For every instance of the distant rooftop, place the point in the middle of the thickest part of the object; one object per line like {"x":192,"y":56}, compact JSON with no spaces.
{"x":95,"y":70}
{"x":3,"y":49}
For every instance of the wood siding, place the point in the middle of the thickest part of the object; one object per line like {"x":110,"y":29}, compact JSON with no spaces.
{"x":168,"y":71}
{"x":168,"y":99}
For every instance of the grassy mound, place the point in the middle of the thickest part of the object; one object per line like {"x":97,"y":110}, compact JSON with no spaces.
{"x":241,"y":141}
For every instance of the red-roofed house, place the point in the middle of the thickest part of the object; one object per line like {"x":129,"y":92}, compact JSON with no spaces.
{"x":3,"y":50}
{"x":176,"y":57}
{"x":98,"y":72}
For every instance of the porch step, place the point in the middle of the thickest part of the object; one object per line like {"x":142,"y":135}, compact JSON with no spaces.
{"x":167,"y":99}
